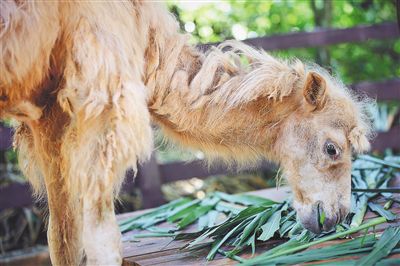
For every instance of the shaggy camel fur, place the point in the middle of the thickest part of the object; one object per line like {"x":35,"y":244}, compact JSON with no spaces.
{"x":86,"y":78}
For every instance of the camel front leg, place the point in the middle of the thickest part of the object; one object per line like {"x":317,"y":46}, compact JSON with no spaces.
{"x":98,"y":151}
{"x":64,"y":231}
{"x":109,"y":131}
{"x":39,"y":145}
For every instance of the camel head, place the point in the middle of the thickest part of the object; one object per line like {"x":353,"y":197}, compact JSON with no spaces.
{"x":316,"y":147}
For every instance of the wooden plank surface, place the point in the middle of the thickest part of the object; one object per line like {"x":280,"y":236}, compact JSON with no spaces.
{"x":164,"y":251}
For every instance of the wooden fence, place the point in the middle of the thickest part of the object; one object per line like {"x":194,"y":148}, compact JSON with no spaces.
{"x":152,"y":175}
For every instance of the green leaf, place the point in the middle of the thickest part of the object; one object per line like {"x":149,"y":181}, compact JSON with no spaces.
{"x":290,"y":216}
{"x":292,"y":243}
{"x":355,"y":246}
{"x":183,"y":210}
{"x":381,"y":211}
{"x":360,"y":210}
{"x":208,"y":220}
{"x":248,"y":212}
{"x":379,"y":161}
{"x":383,"y":247}
{"x":297,"y":245}
{"x":285,"y":227}
{"x":296,"y":229}
{"x":231,"y":256}
{"x":157,"y":211}
{"x":322,"y":217}
{"x":226,"y":207}
{"x":192,"y":215}
{"x":251,"y":227}
{"x":245,"y":199}
{"x":220,"y":242}
{"x":252,"y":242}
{"x":388,"y":204}
{"x":152,"y":217}
{"x":197,"y":236}
{"x":270,"y":227}
{"x":388,"y":262}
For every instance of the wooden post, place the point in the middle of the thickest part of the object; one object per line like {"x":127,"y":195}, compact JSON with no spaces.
{"x":5,"y":138}
{"x":149,"y":182}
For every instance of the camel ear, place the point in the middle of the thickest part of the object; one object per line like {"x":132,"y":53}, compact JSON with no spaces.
{"x":314,"y":91}
{"x":358,"y":140}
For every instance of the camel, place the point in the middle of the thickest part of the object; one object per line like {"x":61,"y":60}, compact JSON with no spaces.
{"x":86,"y":79}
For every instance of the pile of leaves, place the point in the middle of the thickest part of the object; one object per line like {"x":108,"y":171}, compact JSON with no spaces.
{"x":228,"y":224}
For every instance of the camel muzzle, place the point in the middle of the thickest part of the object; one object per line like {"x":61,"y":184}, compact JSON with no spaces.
{"x":319,"y":221}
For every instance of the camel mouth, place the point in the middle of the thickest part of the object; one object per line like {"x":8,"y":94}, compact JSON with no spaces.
{"x":321,"y":216}
{"x":311,"y":221}
{"x":323,"y":222}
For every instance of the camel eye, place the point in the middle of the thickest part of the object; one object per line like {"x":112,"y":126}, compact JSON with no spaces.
{"x":331,"y":150}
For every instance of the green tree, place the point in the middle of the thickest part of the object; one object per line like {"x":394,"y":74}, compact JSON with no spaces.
{"x":220,"y":20}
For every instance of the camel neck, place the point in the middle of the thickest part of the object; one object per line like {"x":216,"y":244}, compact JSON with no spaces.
{"x":214,"y":103}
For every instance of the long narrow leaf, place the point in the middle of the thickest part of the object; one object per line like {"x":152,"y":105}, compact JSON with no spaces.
{"x":379,"y":161}
{"x":182,"y":211}
{"x":382,"y":212}
{"x":355,"y":246}
{"x":219,"y":243}
{"x":294,"y":249}
{"x":249,"y":229}
{"x":245,"y":199}
{"x":195,"y":214}
{"x":383,"y":247}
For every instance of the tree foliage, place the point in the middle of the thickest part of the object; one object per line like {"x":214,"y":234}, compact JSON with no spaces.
{"x":371,"y":60}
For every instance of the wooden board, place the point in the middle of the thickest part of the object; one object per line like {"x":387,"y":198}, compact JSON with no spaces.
{"x":165,"y":251}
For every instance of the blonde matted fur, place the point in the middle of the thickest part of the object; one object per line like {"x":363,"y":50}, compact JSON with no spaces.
{"x":215,"y":89}
{"x":86,"y":78}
